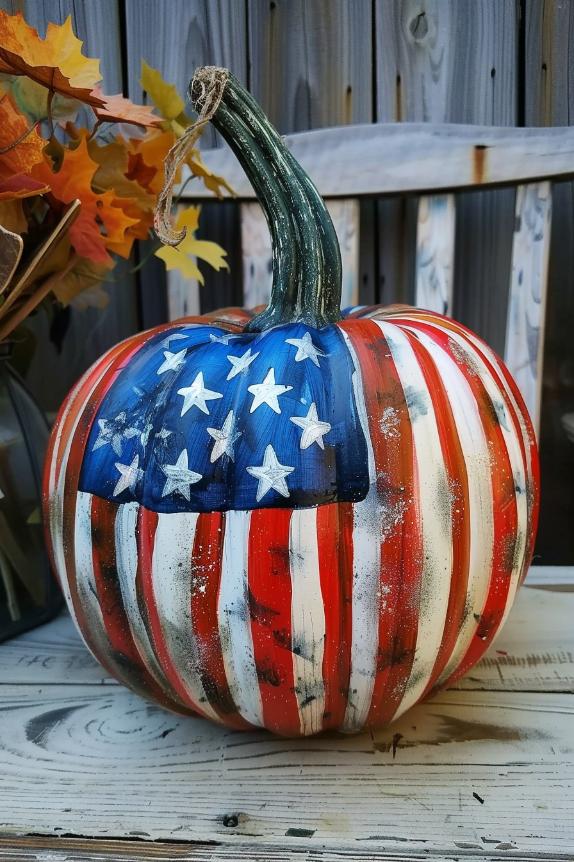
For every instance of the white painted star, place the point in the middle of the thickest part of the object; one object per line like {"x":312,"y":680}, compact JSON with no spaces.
{"x":240,"y":363}
{"x":267,"y":392}
{"x":313,"y":428}
{"x":221,"y":339}
{"x":175,"y":336}
{"x":271,"y":474}
{"x":179,"y":477}
{"x":224,"y":438}
{"x":114,"y":431}
{"x":305,"y":349}
{"x":196,"y":395}
{"x":130,"y":474}
{"x":172,"y":361}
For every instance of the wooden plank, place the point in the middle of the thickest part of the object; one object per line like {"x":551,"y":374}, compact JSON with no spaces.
{"x":480,"y":770}
{"x":551,"y":577}
{"x":257,"y":261}
{"x":42,"y":849}
{"x":392,"y":158}
{"x":446,"y":61}
{"x":54,"y":654}
{"x":177,"y":36}
{"x":292,"y":46}
{"x":527,"y":302}
{"x":435,"y":253}
{"x":549,"y":100}
{"x":535,"y":650}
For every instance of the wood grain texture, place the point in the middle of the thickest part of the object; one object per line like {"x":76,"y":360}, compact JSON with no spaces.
{"x":42,"y":849}
{"x":292,"y":46}
{"x":442,"y":61}
{"x":435,"y":253}
{"x":446,"y":61}
{"x":98,"y":761}
{"x":177,"y":36}
{"x":488,"y":772}
{"x":90,"y":850}
{"x":524,"y":345}
{"x":399,"y":158}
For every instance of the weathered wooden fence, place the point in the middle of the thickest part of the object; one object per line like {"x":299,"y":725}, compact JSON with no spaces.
{"x":314,"y":63}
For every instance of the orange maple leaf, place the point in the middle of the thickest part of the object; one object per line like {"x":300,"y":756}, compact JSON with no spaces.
{"x":55,"y":62}
{"x":20,"y":149}
{"x":152,"y":149}
{"x":101,"y":223}
{"x":117,"y":109}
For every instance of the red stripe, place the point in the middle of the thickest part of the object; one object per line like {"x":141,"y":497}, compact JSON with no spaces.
{"x":455,"y":466}
{"x":401,"y":547}
{"x":269,"y":581}
{"x":206,"y":566}
{"x":335,"y":545}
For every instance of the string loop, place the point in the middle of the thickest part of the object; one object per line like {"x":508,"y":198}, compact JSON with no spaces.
{"x":206,"y":91}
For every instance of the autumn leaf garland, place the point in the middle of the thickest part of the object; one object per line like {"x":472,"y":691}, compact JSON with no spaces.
{"x":115,"y":174}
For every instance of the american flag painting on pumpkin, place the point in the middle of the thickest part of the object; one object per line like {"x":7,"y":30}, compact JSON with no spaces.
{"x":301,"y":528}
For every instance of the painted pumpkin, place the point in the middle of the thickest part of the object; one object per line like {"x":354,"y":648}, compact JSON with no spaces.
{"x":294,"y":520}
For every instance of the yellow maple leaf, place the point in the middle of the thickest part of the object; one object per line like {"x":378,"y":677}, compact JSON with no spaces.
{"x":55,"y":62}
{"x":164,"y":96}
{"x":183,"y":257}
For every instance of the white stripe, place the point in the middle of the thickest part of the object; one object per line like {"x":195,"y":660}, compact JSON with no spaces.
{"x":235,"y":621}
{"x":173,"y":585}
{"x":528,"y":436}
{"x":125,"y":531}
{"x":307,"y":620}
{"x":431,"y":487}
{"x":511,"y":438}
{"x":476,"y":453}
{"x":366,"y":578}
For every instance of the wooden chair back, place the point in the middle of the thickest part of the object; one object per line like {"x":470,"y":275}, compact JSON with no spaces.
{"x":432,"y":163}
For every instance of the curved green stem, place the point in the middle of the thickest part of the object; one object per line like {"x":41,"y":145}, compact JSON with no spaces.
{"x":270,"y":194}
{"x":301,"y":229}
{"x":326,"y":295}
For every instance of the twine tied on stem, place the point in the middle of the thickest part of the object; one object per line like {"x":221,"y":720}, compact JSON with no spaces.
{"x":207,"y":86}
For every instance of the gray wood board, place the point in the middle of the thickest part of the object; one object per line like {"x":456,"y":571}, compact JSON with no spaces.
{"x":549,"y":100}
{"x":442,"y":61}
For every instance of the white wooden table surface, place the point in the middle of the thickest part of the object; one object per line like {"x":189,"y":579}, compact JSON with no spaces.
{"x":90,"y":771}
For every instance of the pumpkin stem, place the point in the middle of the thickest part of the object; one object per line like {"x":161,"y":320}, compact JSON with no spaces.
{"x":306,"y":258}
